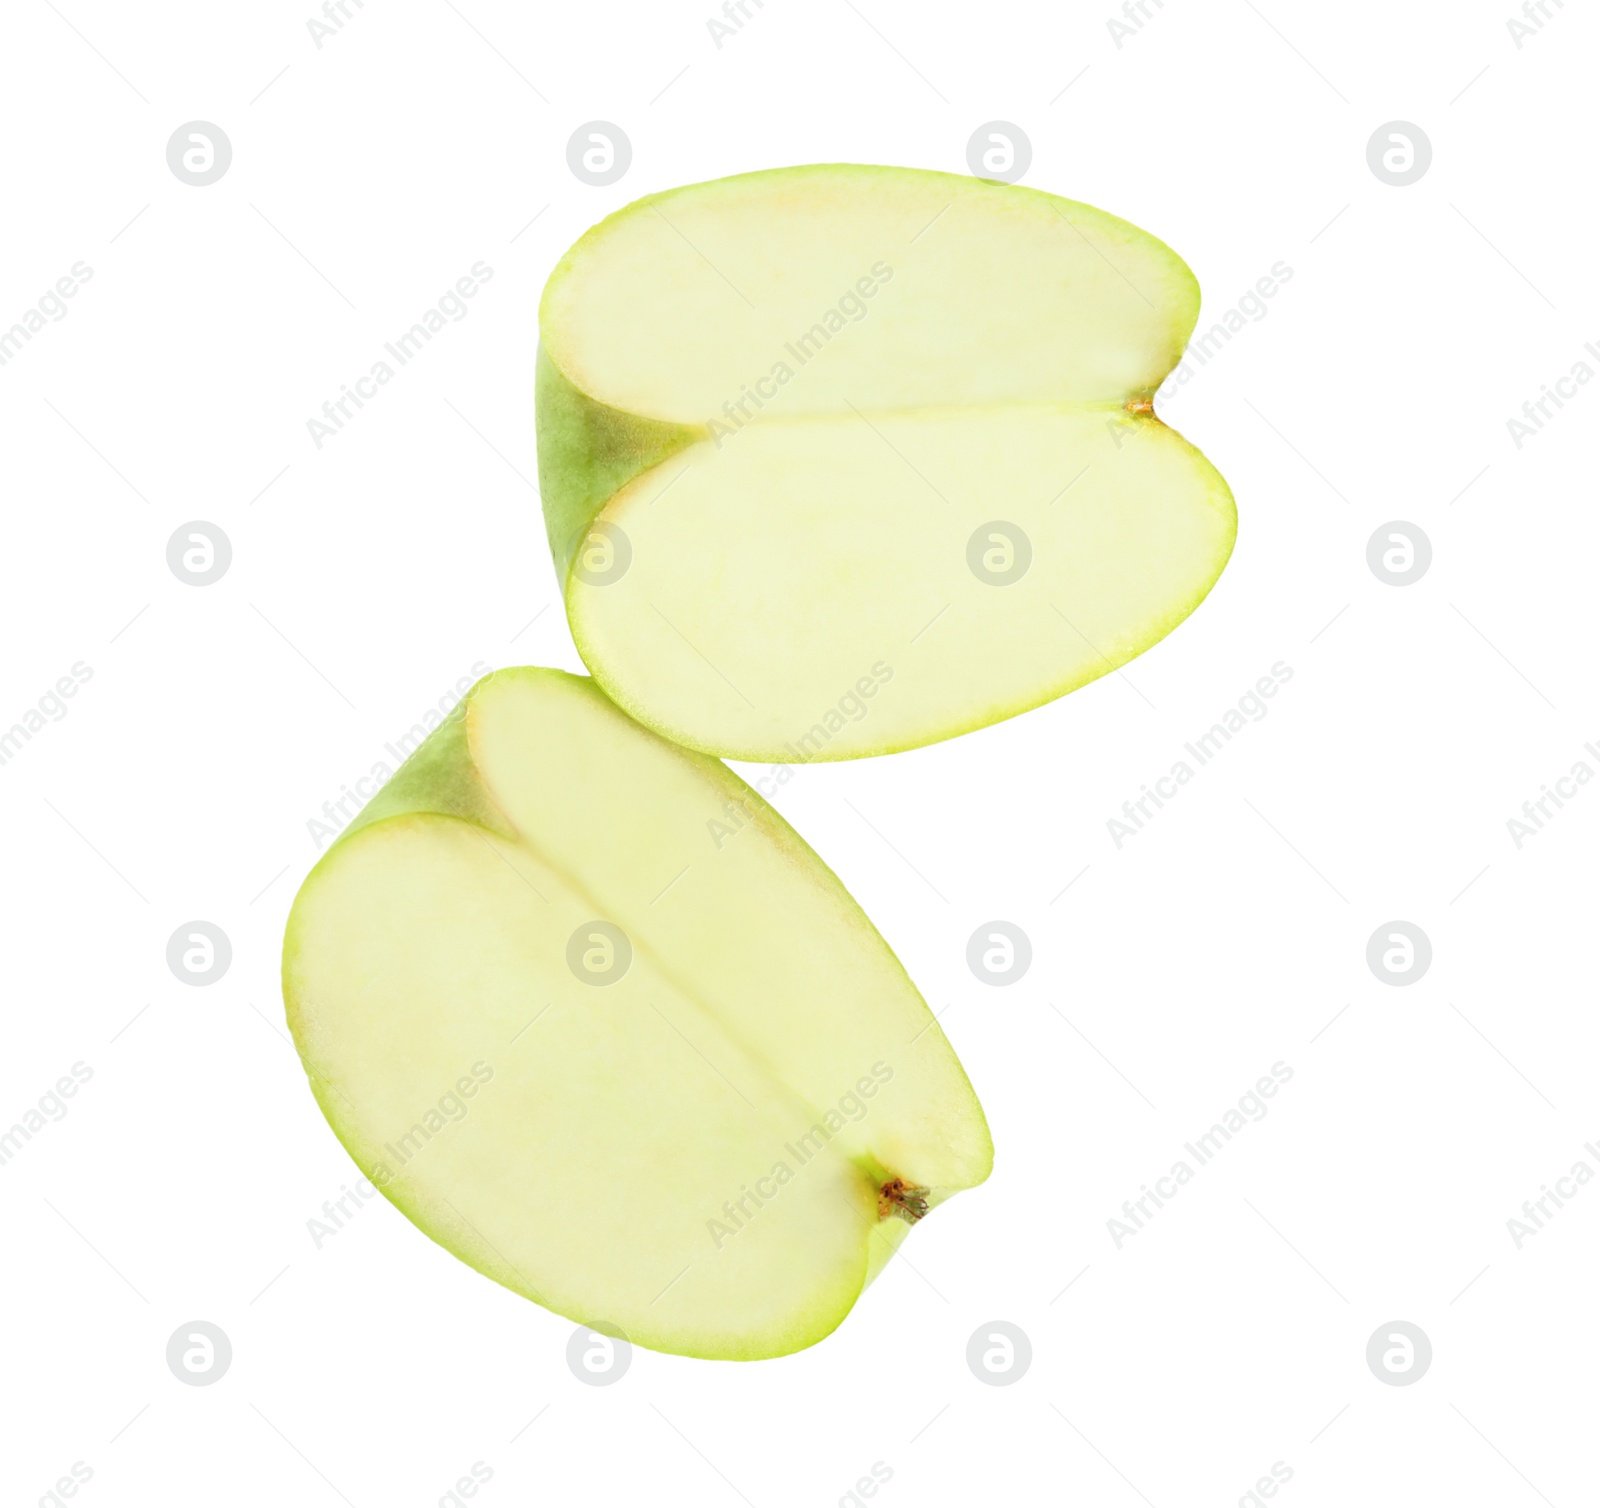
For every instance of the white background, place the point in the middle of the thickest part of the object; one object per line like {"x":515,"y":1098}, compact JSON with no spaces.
{"x":1231,"y":933}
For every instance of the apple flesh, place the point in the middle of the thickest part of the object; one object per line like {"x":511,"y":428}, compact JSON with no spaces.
{"x":797,"y":424}
{"x":602,"y":1025}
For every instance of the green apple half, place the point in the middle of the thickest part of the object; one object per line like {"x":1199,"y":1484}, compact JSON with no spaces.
{"x":840,"y":460}
{"x":594,"y":1017}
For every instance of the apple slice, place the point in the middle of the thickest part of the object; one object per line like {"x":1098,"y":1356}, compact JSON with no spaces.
{"x":601,"y":1024}
{"x":841,"y":460}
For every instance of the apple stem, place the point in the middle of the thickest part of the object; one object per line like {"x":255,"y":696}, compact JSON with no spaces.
{"x":904,"y":1200}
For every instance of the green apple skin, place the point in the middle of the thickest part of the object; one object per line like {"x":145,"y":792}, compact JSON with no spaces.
{"x":588,"y":452}
{"x":746,"y":614}
{"x":608,"y":1131}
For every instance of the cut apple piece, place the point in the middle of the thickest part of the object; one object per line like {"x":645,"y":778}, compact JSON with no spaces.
{"x":602,"y":1025}
{"x":842,"y":460}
